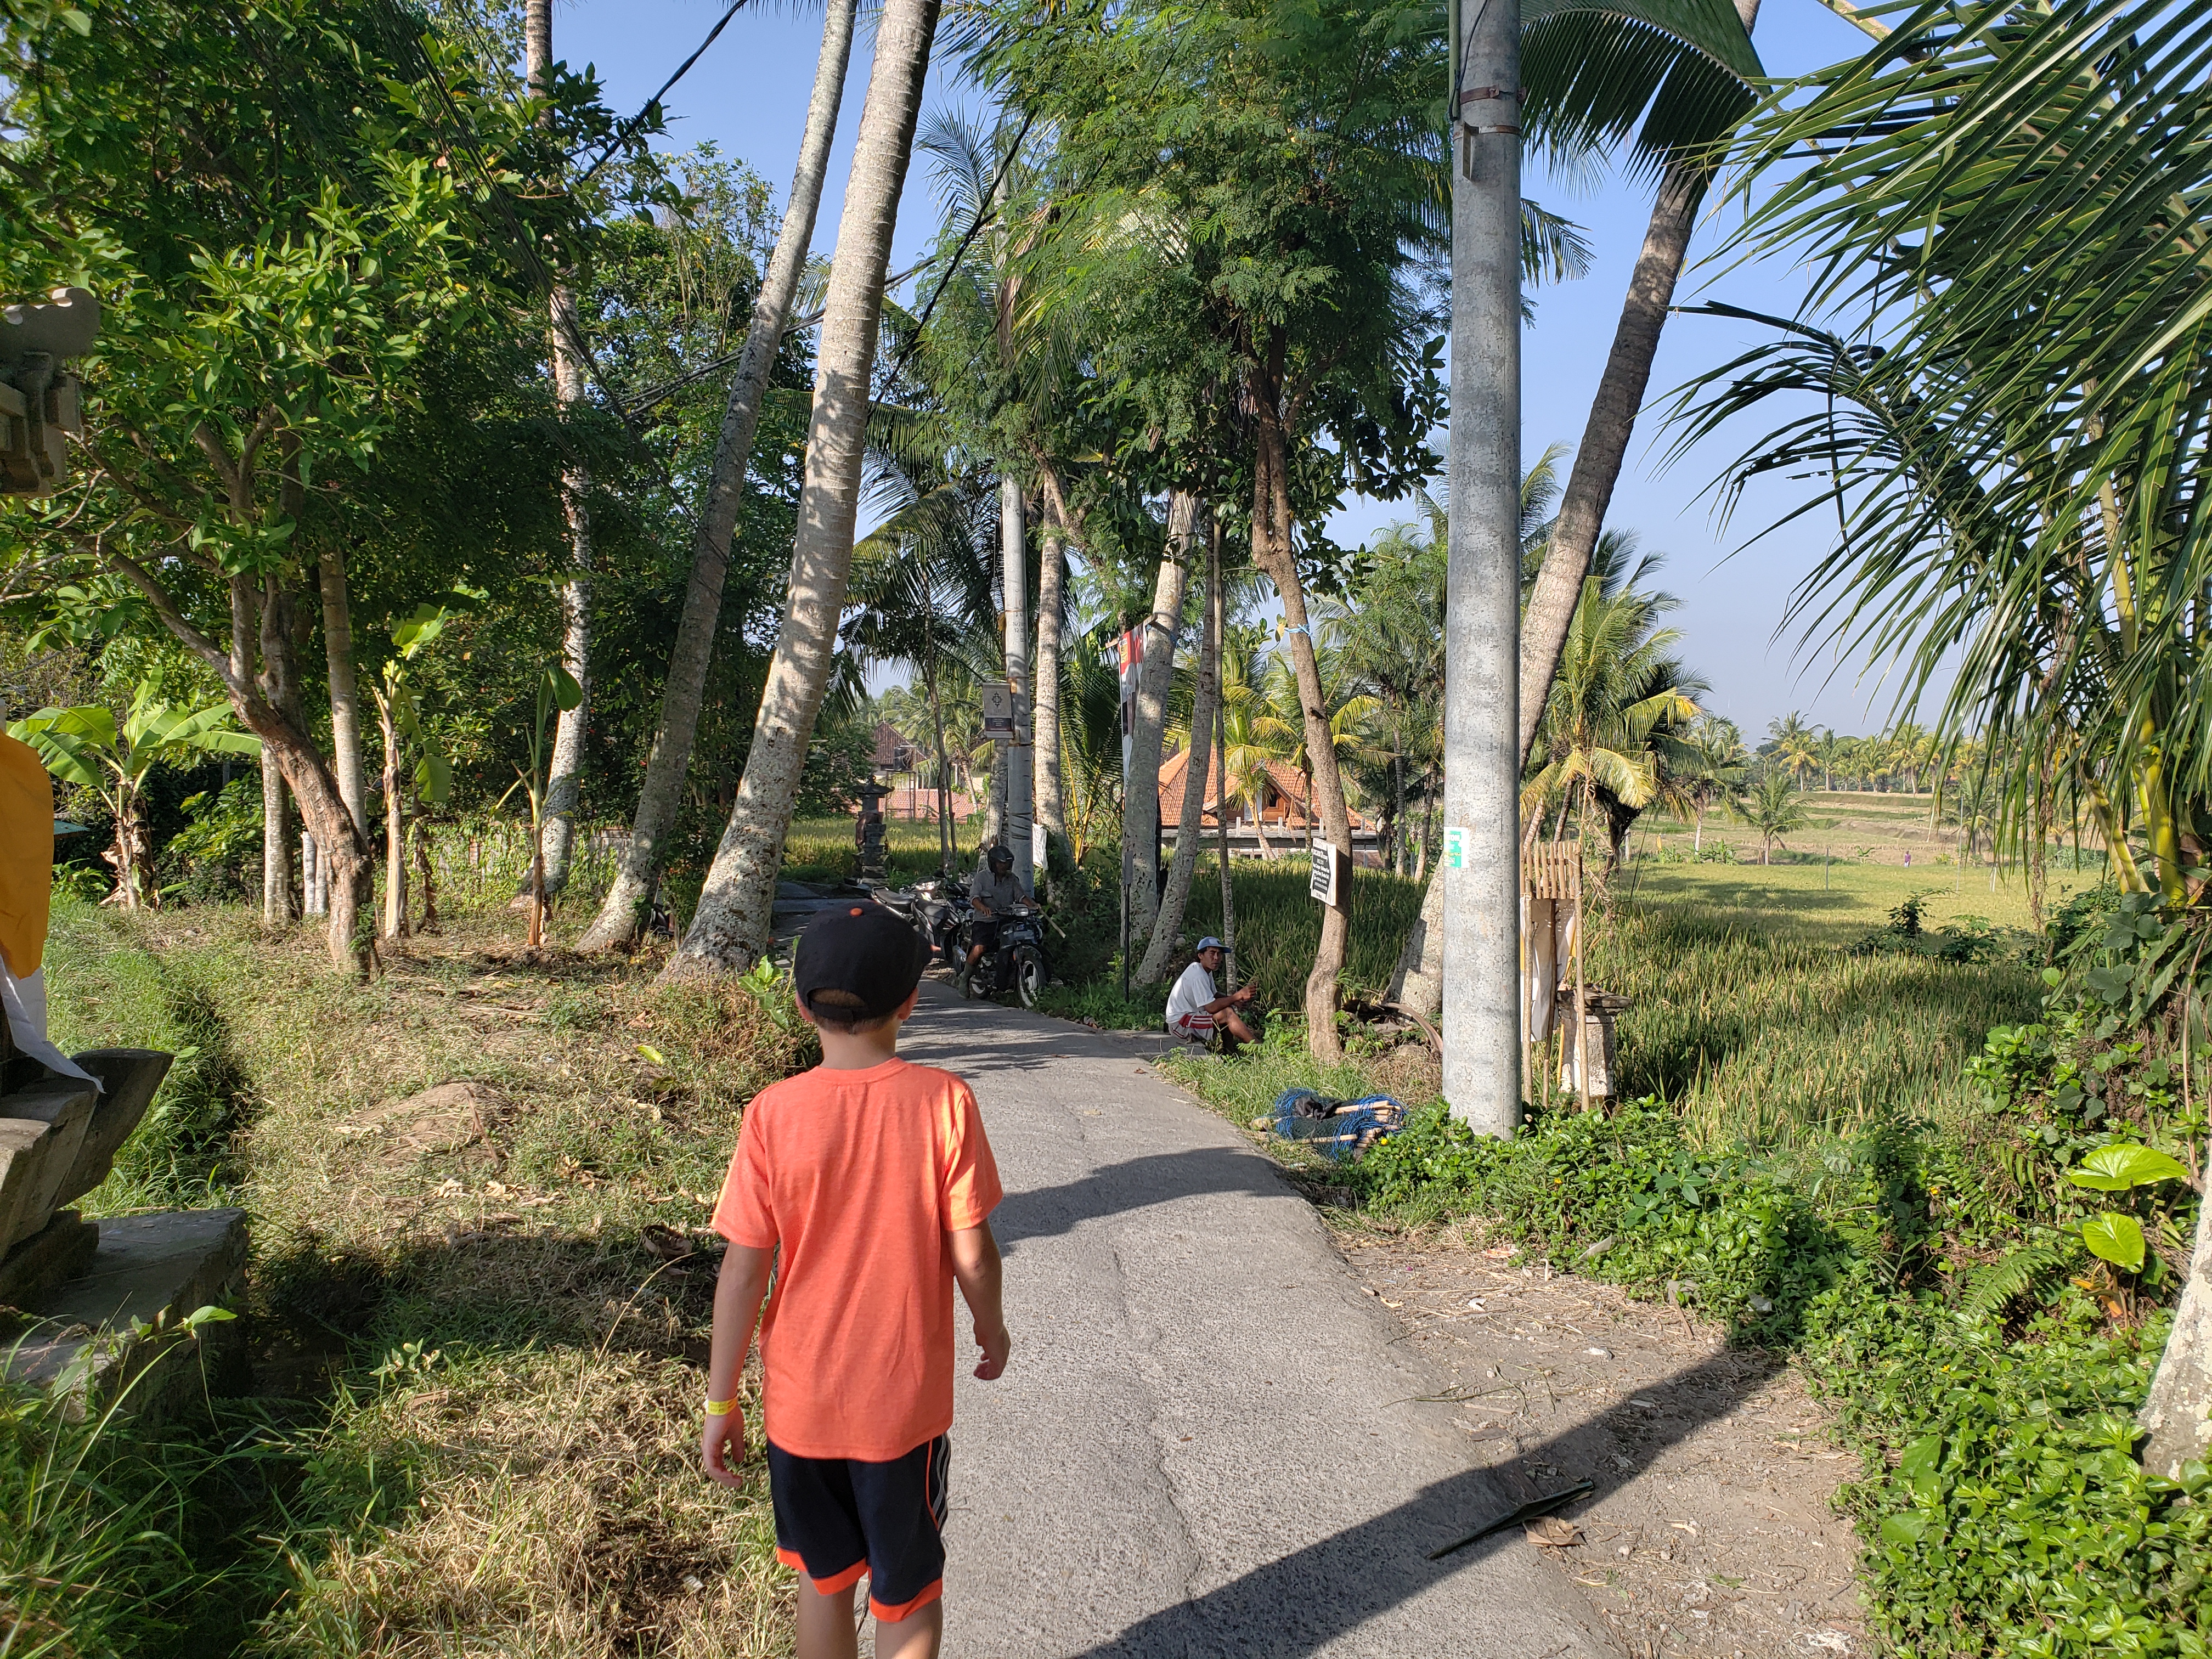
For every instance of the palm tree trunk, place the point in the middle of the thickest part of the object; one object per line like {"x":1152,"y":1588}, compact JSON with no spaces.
{"x":731,"y":928}
{"x":565,"y":779}
{"x":1052,"y":602}
{"x":1154,"y":967}
{"x":1221,"y":800}
{"x":1140,"y":790}
{"x":1272,"y":552}
{"x":660,"y":800}
{"x":1612,"y":423}
{"x":1418,"y":985}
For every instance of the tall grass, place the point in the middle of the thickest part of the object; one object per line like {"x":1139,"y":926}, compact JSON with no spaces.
{"x":119,"y":1544}
{"x":492,"y":1374}
{"x":108,"y":987}
{"x":1762,"y":1038}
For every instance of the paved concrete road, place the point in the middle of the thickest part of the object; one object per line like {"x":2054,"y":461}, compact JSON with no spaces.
{"x":1207,"y":1443}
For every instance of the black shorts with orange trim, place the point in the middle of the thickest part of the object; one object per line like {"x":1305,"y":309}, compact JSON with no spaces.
{"x":838,"y":1519}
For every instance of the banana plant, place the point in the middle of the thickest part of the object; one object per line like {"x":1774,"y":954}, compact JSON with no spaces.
{"x":399,"y":719}
{"x":87,"y":747}
{"x":2119,"y":1167}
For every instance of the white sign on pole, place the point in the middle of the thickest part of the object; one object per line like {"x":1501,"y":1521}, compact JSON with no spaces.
{"x":1328,"y":873}
{"x":1455,"y":843}
{"x":998,"y":711}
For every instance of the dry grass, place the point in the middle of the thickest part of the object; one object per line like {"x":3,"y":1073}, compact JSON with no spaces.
{"x":547,"y":1504}
{"x":504,"y":1372}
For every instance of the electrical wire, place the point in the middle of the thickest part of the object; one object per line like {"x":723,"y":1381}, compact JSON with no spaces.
{"x":629,"y":129}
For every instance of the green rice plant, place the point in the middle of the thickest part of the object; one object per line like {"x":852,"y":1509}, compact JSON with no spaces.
{"x":1763,"y":1037}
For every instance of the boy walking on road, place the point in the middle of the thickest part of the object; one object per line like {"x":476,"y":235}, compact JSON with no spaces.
{"x":873,"y":1180}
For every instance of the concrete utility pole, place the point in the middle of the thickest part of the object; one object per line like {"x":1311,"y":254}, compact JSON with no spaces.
{"x":1020,"y":789}
{"x":1481,"y":874}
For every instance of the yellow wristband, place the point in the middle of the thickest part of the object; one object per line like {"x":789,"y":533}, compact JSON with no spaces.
{"x":722,"y":1408}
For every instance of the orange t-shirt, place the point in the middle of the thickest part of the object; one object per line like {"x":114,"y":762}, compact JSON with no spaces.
{"x":859,"y":1176}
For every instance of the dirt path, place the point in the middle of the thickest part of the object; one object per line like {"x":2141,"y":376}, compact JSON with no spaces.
{"x":1712,"y":1529}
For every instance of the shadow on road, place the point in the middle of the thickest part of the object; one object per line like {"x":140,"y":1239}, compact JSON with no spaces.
{"x":1138,"y":1184}
{"x":1301,"y":1603}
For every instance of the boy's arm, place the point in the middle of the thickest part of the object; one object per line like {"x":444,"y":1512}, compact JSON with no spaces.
{"x":976,"y":1265}
{"x":737,"y":1295}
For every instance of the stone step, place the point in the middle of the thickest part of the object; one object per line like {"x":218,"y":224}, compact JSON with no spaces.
{"x":114,"y":1330}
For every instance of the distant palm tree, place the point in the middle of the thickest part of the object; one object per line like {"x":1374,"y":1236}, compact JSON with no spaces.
{"x":1620,"y":704}
{"x":1711,"y":769}
{"x":1775,"y":807}
{"x":1795,"y":747}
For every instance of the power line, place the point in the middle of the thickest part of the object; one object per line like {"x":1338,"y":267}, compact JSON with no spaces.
{"x":629,"y":127}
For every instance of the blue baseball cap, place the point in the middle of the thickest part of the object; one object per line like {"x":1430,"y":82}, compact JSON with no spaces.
{"x":1209,"y":943}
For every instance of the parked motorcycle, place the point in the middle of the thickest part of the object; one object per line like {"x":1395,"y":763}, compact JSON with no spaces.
{"x":935,"y":908}
{"x":942,"y":911}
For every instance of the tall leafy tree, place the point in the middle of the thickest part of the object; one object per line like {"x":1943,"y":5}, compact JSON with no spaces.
{"x":1257,"y":236}
{"x":281,"y":207}
{"x":660,"y":797}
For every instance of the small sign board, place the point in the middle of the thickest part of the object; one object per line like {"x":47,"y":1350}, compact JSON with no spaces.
{"x":1328,"y":861}
{"x":1457,"y":847}
{"x":998,"y":711}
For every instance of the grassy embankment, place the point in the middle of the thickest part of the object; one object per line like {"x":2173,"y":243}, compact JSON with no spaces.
{"x":1822,"y":1170}
{"x":478,"y":1378}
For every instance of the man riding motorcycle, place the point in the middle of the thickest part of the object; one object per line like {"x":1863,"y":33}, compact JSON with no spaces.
{"x":994,"y":891}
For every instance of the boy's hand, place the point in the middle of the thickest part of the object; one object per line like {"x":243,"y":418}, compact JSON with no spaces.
{"x":722,"y":1446}
{"x":995,"y":1344}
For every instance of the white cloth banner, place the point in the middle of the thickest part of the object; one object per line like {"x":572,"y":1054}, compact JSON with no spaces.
{"x":25,"y":1000}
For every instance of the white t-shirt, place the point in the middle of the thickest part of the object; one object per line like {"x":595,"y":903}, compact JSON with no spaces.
{"x":1191,"y":993}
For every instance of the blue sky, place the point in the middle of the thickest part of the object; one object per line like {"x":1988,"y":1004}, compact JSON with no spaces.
{"x":749,"y":94}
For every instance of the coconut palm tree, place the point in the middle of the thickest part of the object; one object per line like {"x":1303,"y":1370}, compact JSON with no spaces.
{"x":638,"y":871}
{"x":730,"y":928}
{"x":1794,"y":748}
{"x":1701,"y":77}
{"x":1618,"y":716}
{"x":1775,"y":806}
{"x":922,"y":587}
{"x":1711,"y":769}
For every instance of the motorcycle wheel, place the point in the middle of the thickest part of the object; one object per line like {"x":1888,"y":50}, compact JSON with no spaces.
{"x":1028,"y":974}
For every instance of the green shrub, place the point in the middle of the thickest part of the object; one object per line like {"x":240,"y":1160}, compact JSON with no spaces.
{"x":2001,"y":1497}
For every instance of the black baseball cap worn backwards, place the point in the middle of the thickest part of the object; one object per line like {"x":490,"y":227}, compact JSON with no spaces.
{"x":863,"y":949}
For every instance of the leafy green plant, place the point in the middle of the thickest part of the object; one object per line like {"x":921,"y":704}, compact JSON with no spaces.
{"x":2119,"y":1167}
{"x":89,"y":747}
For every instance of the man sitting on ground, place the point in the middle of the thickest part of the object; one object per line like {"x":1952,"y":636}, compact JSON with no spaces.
{"x":995,"y":893}
{"x":1196,"y":1009}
